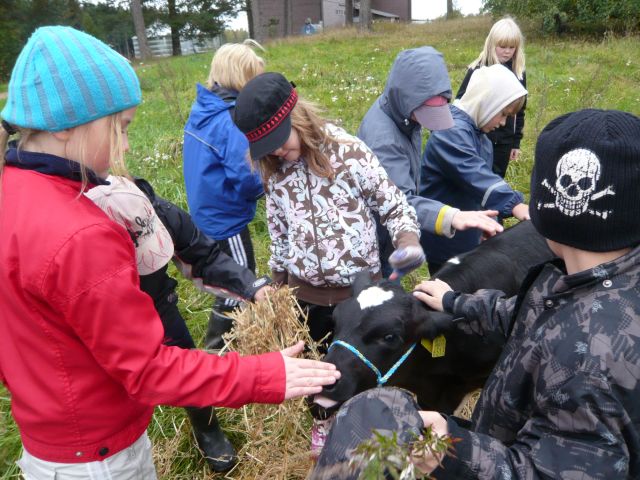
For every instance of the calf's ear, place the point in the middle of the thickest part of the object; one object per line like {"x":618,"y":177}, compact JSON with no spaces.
{"x":361,"y":281}
{"x":430,"y":323}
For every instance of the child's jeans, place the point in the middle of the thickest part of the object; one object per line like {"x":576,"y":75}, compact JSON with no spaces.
{"x":132,"y":463}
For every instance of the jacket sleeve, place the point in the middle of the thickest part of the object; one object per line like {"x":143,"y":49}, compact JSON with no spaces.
{"x":456,"y":154}
{"x":279,"y":234}
{"x":118,"y":324}
{"x":465,"y":82}
{"x":237,"y":166}
{"x":576,"y":430}
{"x":483,"y":313}
{"x":433,"y":216}
{"x":519,"y":126}
{"x":382,"y":195}
{"x":198,"y":256}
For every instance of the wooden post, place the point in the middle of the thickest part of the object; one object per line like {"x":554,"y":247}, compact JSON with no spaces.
{"x":365,"y":16}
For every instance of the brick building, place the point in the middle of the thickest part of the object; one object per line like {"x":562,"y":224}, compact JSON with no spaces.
{"x":280,"y":18}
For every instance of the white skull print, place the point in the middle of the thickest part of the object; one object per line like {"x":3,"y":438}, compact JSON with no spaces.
{"x":577,"y":174}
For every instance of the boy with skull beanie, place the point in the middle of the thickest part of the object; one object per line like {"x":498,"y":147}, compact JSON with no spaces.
{"x":562,"y":400}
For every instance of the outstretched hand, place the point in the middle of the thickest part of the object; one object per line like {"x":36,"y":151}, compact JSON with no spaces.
{"x":263,"y":293}
{"x":431,"y":293}
{"x":483,"y":220}
{"x":305,"y":377}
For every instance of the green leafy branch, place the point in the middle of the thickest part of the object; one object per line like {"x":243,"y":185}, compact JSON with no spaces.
{"x":385,"y":457}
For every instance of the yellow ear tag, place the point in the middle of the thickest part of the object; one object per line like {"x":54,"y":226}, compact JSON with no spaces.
{"x":435,"y":347}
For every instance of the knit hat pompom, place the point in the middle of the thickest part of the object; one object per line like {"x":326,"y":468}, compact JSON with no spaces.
{"x":64,"y":78}
{"x":584,"y":184}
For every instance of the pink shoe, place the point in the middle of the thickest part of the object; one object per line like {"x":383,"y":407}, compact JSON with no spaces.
{"x":319,"y":431}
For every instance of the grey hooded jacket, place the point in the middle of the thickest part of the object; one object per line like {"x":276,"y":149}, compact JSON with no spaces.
{"x":416,"y":75}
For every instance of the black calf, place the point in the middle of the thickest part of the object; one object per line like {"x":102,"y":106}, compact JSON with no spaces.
{"x":382,"y":322}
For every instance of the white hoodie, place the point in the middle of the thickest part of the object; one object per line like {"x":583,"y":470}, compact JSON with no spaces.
{"x":489,"y":91}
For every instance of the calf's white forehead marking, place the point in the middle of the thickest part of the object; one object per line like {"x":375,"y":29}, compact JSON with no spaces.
{"x":373,"y":296}
{"x":454,"y":260}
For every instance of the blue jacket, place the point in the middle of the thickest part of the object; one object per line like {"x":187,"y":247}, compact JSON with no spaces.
{"x":387,"y":128}
{"x":221,"y":188}
{"x":456,"y":170}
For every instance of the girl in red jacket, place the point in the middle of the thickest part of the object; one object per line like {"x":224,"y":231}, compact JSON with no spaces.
{"x":83,"y":385}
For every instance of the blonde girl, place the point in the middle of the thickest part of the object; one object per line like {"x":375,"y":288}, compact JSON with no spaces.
{"x":80,"y":344}
{"x":504,"y":45}
{"x":222,"y":189}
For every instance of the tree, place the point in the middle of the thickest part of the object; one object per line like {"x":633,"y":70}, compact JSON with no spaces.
{"x":253,"y":15}
{"x":110,"y":22}
{"x":141,"y":33}
{"x":13,"y":15}
{"x":196,"y":19}
{"x":586,"y":16}
{"x":106,"y":20}
{"x":449,"y":9}
{"x":288,"y":18}
{"x":366,"y":18}
{"x":348,"y":12}
{"x":174,"y":25}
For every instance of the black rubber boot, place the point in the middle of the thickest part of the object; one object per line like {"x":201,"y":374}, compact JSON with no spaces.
{"x":218,"y":325}
{"x":215,"y":446}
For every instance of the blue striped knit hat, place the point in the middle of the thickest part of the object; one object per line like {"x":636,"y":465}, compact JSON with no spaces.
{"x":64,"y":78}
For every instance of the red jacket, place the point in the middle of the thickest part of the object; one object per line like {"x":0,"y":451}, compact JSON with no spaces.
{"x":80,"y":345}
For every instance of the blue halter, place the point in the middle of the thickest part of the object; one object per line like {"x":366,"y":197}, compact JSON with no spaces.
{"x":380,"y":378}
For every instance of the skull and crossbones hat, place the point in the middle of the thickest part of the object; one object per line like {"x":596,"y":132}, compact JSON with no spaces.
{"x":585,"y":180}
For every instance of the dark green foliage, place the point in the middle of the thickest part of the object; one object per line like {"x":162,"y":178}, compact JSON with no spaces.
{"x":12,"y":16}
{"x":386,"y":458}
{"x":19,"y":18}
{"x":576,"y":16}
{"x":196,"y":19}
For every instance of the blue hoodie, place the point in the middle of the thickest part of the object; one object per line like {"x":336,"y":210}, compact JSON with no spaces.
{"x":222,"y":190}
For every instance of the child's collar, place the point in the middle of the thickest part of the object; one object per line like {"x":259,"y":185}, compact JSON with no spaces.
{"x":49,"y":165}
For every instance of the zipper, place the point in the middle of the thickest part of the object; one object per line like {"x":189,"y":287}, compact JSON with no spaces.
{"x":313,"y":222}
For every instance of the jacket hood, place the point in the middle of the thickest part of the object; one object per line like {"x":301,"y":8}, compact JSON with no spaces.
{"x":226,"y":94}
{"x":490,"y":90}
{"x":416,"y":75}
{"x":207,"y":105}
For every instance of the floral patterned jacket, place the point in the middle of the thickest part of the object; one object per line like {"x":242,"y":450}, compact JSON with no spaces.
{"x":323,"y":231}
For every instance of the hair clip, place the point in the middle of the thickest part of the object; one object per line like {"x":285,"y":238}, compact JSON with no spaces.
{"x":9,"y":128}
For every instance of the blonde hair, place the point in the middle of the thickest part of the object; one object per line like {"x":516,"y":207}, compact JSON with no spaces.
{"x":116,"y":147}
{"x":234,"y":64}
{"x":504,"y":32}
{"x":515,"y":106}
{"x":310,"y":126}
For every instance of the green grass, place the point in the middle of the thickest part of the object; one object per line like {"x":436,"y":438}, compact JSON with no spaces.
{"x":344,"y":72}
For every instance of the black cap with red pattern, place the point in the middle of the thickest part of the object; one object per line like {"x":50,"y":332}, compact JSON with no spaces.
{"x":263,"y":110}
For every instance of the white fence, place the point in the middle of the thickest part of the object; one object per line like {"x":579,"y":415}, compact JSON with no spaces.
{"x":161,"y":46}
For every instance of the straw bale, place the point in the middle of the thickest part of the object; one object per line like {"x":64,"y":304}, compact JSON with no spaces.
{"x":275,"y":439}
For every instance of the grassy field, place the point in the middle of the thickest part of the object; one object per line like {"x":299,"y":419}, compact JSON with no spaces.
{"x":344,"y":72}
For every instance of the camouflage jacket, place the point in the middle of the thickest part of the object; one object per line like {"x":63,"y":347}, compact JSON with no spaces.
{"x":563,"y":400}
